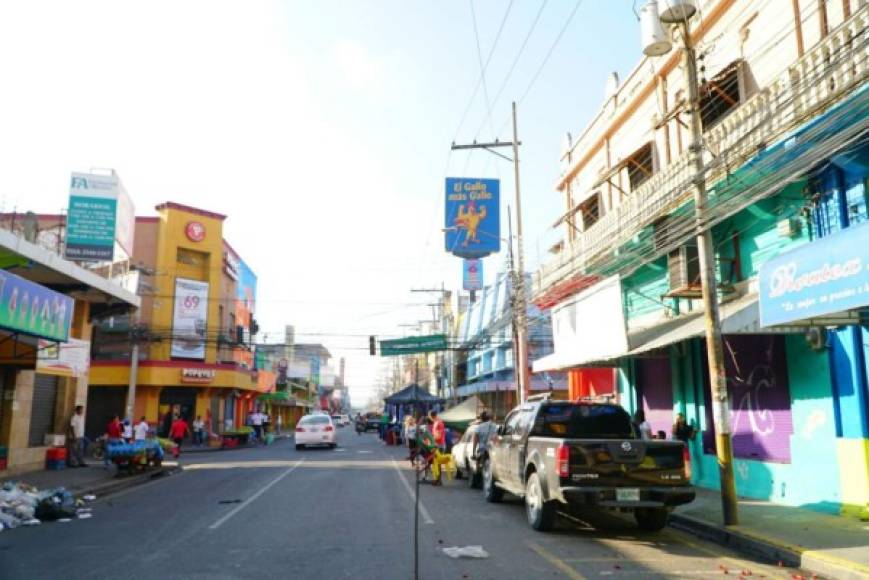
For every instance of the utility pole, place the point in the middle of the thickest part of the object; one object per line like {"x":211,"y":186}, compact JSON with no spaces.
{"x":135,"y":338}
{"x":712,"y":318}
{"x":519,"y":300}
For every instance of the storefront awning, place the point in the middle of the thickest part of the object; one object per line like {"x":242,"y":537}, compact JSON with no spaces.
{"x":537,"y":384}
{"x":738,"y":316}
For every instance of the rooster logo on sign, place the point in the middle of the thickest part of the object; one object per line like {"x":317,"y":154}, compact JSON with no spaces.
{"x":469,"y":220}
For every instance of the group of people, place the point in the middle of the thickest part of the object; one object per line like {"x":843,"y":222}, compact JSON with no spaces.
{"x":423,"y":435}
{"x":681,"y":430}
{"x":261,"y":422}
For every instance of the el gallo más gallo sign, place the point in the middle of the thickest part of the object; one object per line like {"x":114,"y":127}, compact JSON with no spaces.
{"x":472,"y":220}
{"x":823,"y":277}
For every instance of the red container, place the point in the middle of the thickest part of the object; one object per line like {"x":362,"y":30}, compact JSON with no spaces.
{"x":3,"y":463}
{"x":55,"y":454}
{"x":230,"y":442}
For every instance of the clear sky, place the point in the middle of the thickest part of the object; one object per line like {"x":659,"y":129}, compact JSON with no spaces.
{"x":320,"y":127}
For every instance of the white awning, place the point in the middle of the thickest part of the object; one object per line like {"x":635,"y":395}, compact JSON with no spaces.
{"x":739,"y":316}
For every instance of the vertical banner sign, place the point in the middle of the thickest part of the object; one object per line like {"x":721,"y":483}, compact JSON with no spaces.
{"x":472,"y":274}
{"x":189,"y":320}
{"x":472,"y":217}
{"x":91,"y":218}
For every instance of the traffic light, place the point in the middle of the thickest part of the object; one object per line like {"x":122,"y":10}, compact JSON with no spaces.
{"x":372,"y":345}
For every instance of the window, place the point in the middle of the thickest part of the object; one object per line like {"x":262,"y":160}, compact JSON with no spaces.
{"x":589,"y":211}
{"x":720,"y":95}
{"x":583,"y":421}
{"x":314,"y":420}
{"x":639,"y":166}
{"x":511,"y":423}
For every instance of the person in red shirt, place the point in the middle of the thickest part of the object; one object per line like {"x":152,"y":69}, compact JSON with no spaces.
{"x":177,"y":432}
{"x":113,"y":436}
{"x":439,"y":433}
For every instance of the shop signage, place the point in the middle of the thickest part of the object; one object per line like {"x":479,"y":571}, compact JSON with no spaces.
{"x":70,"y":358}
{"x":194,"y":375}
{"x":91,"y":217}
{"x":189,"y":320}
{"x":231,"y":265}
{"x":827,"y":276}
{"x":413,"y":345}
{"x":33,"y":309}
{"x":195,"y":231}
{"x":472,"y":220}
{"x":472,"y":274}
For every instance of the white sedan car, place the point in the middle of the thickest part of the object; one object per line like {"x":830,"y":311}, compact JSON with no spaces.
{"x":315,"y":430}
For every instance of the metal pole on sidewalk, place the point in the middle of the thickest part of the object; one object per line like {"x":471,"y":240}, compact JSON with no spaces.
{"x":714,"y":344}
{"x":521,"y":362}
{"x":134,"y":368}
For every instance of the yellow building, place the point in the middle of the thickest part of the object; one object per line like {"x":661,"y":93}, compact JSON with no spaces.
{"x":193,"y":330}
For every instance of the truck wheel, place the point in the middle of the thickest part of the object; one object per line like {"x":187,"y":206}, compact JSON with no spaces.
{"x":491,"y":492}
{"x":299,"y":447}
{"x":652,"y":519}
{"x":541,"y":513}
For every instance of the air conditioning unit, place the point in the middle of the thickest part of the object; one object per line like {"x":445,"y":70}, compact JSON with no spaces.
{"x":683,"y":272}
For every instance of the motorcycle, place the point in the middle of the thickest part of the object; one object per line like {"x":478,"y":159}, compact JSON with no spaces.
{"x":360,"y":427}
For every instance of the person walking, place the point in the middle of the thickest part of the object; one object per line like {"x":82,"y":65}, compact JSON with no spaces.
{"x":267,"y":425}
{"x":198,"y":431}
{"x":410,"y":437}
{"x":127,"y":431}
{"x":113,"y":437}
{"x":140,"y":431}
{"x":75,"y":438}
{"x":177,"y":432}
{"x":256,"y":421}
{"x":438,"y":431}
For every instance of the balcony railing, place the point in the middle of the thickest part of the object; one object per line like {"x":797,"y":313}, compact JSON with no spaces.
{"x":819,"y":79}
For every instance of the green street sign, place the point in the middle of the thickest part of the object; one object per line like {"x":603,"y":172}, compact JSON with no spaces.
{"x":413,"y":345}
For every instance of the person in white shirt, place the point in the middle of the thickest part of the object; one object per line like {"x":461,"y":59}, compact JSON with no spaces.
{"x":256,"y":419}
{"x":141,"y":429}
{"x":75,"y":442}
{"x":127,"y":431}
{"x":199,"y":431}
{"x":643,"y":426}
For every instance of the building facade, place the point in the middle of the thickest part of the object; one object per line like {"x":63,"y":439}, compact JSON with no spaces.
{"x":783,"y":110}
{"x":193,"y":331}
{"x":49,"y":306}
{"x":487,"y":336}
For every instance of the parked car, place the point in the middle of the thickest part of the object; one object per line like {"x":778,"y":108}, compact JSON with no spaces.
{"x":470,"y":451}
{"x":561,"y":456}
{"x":315,"y":429}
{"x":341,"y":420}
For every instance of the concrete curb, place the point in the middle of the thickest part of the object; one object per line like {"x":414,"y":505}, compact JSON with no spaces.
{"x":772,"y":550}
{"x":117,"y":484}
{"x":250,"y":446}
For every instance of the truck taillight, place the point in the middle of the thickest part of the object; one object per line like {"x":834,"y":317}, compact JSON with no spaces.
{"x":686,"y":461}
{"x":562,"y":460}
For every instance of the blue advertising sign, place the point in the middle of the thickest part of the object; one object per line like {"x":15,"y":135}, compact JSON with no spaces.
{"x":92,"y":216}
{"x":472,"y":274}
{"x":472,"y":217}
{"x":33,"y":309}
{"x":823,"y":277}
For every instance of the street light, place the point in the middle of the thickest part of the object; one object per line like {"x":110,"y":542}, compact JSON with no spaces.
{"x":657,"y":43}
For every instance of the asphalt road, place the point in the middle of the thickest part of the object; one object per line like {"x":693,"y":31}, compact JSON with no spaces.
{"x":344,"y":513}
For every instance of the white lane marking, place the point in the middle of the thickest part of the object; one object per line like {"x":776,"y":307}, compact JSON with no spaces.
{"x":426,"y":517}
{"x":251,"y":499}
{"x":364,"y":451}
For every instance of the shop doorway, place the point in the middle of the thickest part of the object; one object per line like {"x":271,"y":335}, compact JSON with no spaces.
{"x":655,"y":392}
{"x":176,"y":401}
{"x":42,"y":413}
{"x":103,"y":404}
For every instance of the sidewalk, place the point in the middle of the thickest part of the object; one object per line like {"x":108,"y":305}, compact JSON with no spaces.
{"x":93,"y":479}
{"x":832,"y":546}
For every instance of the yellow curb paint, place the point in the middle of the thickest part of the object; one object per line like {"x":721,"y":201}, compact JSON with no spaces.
{"x":556,"y":561}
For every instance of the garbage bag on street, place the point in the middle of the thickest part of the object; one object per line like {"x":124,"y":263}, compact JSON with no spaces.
{"x":24,"y":505}
{"x":466,"y":552}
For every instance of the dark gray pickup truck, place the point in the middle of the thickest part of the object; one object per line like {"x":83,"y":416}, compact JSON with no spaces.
{"x":562,"y":456}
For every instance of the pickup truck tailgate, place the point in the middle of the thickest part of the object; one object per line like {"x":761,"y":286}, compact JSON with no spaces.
{"x":617,"y":463}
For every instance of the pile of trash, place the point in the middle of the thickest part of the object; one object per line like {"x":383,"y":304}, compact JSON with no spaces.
{"x":24,"y":505}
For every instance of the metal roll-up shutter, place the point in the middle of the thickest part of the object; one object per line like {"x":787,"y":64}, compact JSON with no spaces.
{"x":42,"y":413}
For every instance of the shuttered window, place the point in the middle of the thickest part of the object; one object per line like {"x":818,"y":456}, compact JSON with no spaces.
{"x":42,"y":412}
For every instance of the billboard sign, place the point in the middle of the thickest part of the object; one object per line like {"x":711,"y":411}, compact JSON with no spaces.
{"x":69,"y":359}
{"x":100,"y":214}
{"x":824,"y":277}
{"x":413,"y":345}
{"x":472,"y":274}
{"x":32,"y":309}
{"x":472,"y":219}
{"x":315,"y":369}
{"x":189,"y":319}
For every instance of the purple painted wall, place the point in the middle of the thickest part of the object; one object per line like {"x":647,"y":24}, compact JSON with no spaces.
{"x":656,"y":391}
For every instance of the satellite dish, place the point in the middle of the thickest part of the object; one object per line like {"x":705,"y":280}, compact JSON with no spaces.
{"x":656,"y":42}
{"x":673,"y":11}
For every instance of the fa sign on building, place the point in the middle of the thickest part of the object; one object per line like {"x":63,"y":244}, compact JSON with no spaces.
{"x":472,"y":217}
